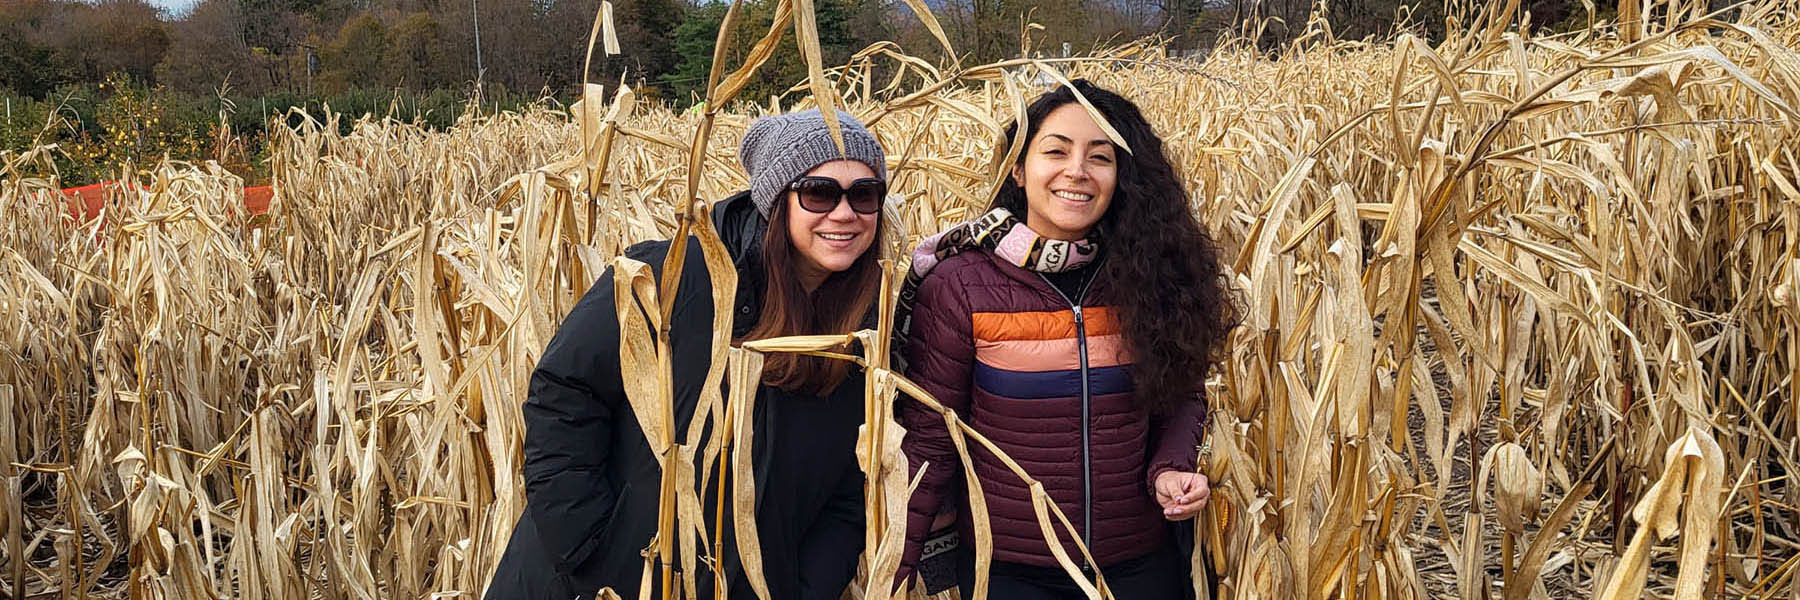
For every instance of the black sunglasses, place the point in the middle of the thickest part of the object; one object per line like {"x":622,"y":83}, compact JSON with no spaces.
{"x":822,"y":194}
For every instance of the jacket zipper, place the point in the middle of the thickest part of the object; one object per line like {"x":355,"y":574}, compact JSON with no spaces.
{"x":1087,"y":465}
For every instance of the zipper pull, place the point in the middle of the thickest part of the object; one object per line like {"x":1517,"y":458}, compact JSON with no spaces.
{"x":1077,"y":314}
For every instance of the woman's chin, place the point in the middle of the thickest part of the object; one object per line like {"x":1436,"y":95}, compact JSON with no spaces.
{"x":835,"y":262}
{"x":839,"y":264}
{"x":1062,"y":223}
{"x":1074,"y":227}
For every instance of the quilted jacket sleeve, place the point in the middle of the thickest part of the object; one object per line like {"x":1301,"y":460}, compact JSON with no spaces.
{"x":940,"y":356}
{"x":1175,"y":439}
{"x":575,"y":395}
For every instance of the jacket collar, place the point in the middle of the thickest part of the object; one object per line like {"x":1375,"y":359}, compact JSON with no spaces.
{"x":1042,"y":286}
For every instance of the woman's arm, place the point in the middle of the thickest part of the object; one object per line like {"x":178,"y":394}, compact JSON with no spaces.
{"x":575,"y":394}
{"x":1175,"y":442}
{"x":940,"y":355}
{"x":1176,"y":437}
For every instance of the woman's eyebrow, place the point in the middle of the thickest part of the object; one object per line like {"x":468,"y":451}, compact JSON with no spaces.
{"x":1067,"y":140}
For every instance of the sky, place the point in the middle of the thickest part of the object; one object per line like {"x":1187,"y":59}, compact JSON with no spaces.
{"x":173,"y":7}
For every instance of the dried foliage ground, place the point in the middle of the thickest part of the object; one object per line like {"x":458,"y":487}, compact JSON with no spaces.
{"x":1521,"y":318}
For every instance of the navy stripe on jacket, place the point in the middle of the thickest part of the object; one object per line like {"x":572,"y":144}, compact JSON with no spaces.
{"x":1033,"y":385}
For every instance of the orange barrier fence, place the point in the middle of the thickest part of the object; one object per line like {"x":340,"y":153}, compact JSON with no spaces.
{"x":86,"y":201}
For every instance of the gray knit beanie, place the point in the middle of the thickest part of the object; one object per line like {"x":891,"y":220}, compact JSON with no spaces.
{"x":778,"y":149}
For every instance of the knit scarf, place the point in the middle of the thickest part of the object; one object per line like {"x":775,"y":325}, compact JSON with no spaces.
{"x":999,"y":232}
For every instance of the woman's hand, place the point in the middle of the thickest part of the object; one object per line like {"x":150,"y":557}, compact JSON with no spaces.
{"x":1182,"y":494}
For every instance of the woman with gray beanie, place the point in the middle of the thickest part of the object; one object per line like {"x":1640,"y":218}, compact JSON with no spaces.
{"x":801,"y":239}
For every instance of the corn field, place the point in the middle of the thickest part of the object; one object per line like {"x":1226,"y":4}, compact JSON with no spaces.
{"x":1520,"y":318}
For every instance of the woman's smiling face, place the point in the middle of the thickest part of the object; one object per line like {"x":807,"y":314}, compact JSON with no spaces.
{"x":830,"y":242}
{"x":1069,"y":172}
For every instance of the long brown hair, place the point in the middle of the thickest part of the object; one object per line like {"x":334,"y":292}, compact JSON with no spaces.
{"x":839,"y":305}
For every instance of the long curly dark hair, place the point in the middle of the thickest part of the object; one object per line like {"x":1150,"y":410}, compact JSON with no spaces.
{"x":1162,"y":274}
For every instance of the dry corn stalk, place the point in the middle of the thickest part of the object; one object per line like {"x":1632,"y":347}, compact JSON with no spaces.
{"x":1577,"y":245}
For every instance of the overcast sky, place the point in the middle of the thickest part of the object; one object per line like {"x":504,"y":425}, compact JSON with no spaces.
{"x":174,"y":7}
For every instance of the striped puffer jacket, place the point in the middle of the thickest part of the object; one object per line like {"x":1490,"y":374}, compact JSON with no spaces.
{"x":1047,"y":378}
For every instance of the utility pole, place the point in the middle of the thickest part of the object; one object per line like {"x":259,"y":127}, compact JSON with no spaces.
{"x":312,"y":65}
{"x":475,"y":13}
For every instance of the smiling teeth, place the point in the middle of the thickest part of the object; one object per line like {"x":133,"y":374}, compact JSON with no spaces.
{"x":1073,"y":196}
{"x":839,"y":237}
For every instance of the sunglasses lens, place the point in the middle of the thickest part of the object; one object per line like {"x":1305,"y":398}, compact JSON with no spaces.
{"x":865,"y":196}
{"x":817,"y":195}
{"x":821,"y":195}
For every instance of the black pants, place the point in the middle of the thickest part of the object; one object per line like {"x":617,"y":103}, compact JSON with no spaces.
{"x":1159,"y":575}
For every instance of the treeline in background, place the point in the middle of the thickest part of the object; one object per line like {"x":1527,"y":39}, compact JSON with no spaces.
{"x":121,"y":82}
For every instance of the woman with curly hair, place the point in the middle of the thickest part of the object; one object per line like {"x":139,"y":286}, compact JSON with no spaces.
{"x":1072,"y":325}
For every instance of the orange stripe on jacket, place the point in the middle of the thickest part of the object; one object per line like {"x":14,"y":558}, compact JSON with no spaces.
{"x":1052,"y":355}
{"x":1011,"y":326}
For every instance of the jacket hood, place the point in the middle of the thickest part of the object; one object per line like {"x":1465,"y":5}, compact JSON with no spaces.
{"x":741,"y":229}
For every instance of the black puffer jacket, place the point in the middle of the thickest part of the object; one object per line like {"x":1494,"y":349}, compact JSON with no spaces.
{"x":591,"y":478}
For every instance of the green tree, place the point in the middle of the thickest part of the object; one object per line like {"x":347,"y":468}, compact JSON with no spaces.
{"x":27,"y":68}
{"x":120,"y":36}
{"x":206,"y":52}
{"x":787,"y":68}
{"x":46,"y":43}
{"x":656,"y":22}
{"x":414,"y":58}
{"x":354,"y":59}
{"x":693,"y":50}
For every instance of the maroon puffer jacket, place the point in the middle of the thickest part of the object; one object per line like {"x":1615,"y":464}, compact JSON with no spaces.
{"x":1009,"y":353}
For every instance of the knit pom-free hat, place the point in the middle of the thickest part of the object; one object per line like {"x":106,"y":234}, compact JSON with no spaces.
{"x":778,"y":149}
